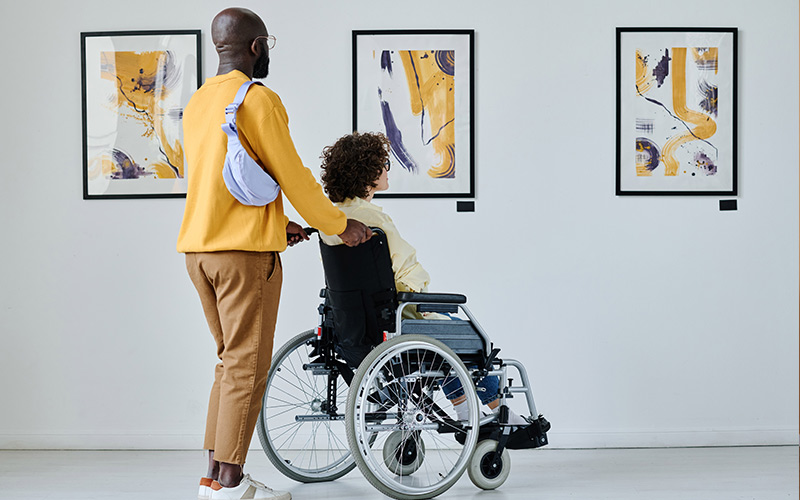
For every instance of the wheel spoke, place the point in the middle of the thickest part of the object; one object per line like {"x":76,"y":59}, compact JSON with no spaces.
{"x":410,"y":371}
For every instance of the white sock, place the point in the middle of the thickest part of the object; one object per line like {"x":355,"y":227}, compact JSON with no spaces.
{"x":462,"y":412}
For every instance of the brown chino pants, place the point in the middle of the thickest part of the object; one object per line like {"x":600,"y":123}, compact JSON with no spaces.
{"x":240,"y":293}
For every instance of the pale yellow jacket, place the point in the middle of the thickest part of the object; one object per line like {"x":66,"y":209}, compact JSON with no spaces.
{"x":409,"y":275}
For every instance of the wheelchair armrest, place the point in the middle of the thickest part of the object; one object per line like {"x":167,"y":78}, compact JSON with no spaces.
{"x":438,"y":308}
{"x":433,"y":298}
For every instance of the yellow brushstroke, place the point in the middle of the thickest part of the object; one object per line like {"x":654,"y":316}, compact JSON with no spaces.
{"x":644,"y":79}
{"x":705,"y":126}
{"x":436,"y":91}
{"x":101,"y":166}
{"x":709,"y":54}
{"x":141,"y":92}
{"x":128,"y":71}
{"x":162,"y":170}
{"x":174,"y":152}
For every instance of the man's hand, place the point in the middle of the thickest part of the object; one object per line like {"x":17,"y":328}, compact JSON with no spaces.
{"x":295,"y":233}
{"x":355,"y":233}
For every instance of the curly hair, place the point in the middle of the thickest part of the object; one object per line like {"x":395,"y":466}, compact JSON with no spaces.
{"x":353,"y":164}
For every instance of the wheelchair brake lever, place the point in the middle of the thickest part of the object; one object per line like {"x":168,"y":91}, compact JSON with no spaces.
{"x":491,"y":358}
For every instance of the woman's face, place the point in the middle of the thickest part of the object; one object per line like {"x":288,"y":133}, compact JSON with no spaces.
{"x":382,"y":184}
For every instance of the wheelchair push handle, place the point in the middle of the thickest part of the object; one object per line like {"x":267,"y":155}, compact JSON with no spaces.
{"x":311,"y":230}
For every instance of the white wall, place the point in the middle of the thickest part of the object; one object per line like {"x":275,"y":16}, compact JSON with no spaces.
{"x":642,"y":320}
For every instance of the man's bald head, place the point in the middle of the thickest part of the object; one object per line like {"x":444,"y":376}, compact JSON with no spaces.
{"x":236,"y":27}
{"x":234,"y":32}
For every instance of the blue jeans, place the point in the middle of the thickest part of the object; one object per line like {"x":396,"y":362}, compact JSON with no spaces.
{"x":487,"y":388}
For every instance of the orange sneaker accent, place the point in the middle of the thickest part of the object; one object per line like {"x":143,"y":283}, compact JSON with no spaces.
{"x":206,"y":481}
{"x":215,"y":486}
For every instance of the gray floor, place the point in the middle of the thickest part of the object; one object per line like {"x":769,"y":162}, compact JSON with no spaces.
{"x":760,"y":473}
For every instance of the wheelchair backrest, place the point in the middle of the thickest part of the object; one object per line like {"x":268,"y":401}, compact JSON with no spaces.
{"x":361,"y":293}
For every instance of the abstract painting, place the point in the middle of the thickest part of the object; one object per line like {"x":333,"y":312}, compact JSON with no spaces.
{"x":417,"y":88}
{"x":676,"y":111}
{"x":135,"y":86}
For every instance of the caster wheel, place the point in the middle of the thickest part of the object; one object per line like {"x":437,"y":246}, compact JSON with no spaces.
{"x":403,"y":453}
{"x":488,"y":470}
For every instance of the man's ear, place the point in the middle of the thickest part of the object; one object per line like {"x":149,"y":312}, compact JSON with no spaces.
{"x":255,"y":49}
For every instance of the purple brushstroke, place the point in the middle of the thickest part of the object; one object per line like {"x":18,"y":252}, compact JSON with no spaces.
{"x":706,"y":64}
{"x":645,"y":146}
{"x":709,"y":93}
{"x":446,"y":60}
{"x":451,"y":168}
{"x":396,"y":137}
{"x":705,"y":164}
{"x":645,"y":125}
{"x":126,"y":167}
{"x":661,"y":71}
{"x":386,"y":61}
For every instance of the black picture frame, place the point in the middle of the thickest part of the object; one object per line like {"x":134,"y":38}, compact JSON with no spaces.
{"x":423,"y":154}
{"x":140,"y":155}
{"x":678,"y":150}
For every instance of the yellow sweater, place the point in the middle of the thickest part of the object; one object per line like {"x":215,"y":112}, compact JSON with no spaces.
{"x":213,"y":219}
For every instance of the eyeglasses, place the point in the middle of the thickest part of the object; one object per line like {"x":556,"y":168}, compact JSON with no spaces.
{"x":270,"y":40}
{"x":388,"y":165}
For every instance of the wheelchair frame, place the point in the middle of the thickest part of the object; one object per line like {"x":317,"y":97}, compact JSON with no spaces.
{"x":388,"y":411}
{"x":507,"y":390}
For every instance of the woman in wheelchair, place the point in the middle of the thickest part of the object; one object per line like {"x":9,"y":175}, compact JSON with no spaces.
{"x":354,"y":168}
{"x":386,"y":392}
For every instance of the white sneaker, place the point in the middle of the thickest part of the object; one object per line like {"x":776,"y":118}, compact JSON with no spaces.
{"x":514,"y":419}
{"x":205,"y":488}
{"x":248,"y":488}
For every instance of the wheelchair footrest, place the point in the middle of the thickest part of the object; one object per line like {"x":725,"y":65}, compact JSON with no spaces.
{"x":317,"y":418}
{"x":532,"y":436}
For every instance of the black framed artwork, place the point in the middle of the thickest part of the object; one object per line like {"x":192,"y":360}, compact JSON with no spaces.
{"x":676,"y":111}
{"x":417,"y":87}
{"x":135,"y":85}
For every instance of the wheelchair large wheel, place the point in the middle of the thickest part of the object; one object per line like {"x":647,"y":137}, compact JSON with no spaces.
{"x":302,"y":448}
{"x":397,"y":401}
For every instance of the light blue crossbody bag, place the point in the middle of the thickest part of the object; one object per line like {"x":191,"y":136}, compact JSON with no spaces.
{"x":245,"y":178}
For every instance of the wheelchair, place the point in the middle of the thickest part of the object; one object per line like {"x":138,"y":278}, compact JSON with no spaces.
{"x":366,"y":388}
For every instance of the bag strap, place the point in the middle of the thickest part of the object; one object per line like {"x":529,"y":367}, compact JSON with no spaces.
{"x":232,"y":108}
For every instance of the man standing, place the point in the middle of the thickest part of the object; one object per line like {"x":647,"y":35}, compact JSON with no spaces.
{"x":232,"y":249}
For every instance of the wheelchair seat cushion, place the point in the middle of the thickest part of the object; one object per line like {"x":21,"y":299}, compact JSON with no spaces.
{"x":458,"y":335}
